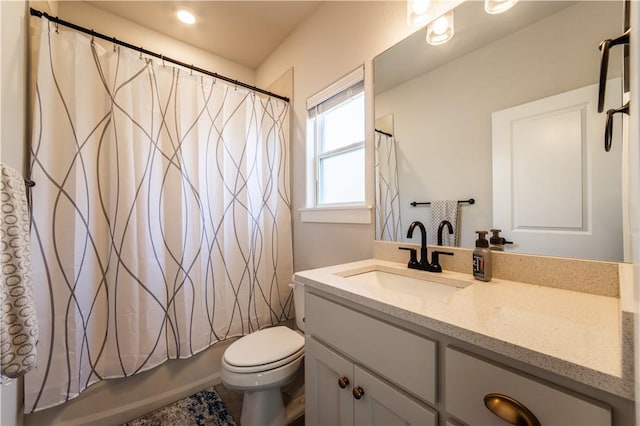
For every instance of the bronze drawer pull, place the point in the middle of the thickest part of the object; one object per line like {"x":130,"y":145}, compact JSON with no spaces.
{"x":509,"y":410}
{"x":343,"y":382}
{"x":358,"y":392}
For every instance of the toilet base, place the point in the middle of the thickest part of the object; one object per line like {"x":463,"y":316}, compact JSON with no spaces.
{"x":263,"y":408}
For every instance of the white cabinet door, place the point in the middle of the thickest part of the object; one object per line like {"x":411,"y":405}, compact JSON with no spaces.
{"x":384,"y":405}
{"x":375,"y":343}
{"x":326,"y":402}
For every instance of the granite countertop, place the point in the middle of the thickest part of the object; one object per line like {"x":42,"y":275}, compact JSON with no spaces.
{"x":573,"y":334}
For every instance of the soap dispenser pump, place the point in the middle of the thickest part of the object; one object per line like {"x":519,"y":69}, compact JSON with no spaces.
{"x":496,"y":242}
{"x":482,"y":258}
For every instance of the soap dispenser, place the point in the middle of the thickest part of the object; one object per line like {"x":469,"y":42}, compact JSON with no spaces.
{"x":496,"y":242}
{"x":482,"y":258}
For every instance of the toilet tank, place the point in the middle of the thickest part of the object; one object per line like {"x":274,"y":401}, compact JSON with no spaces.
{"x":298,"y":303}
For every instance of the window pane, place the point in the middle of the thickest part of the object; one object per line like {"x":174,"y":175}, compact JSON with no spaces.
{"x":342,"y":178}
{"x":344,"y":124}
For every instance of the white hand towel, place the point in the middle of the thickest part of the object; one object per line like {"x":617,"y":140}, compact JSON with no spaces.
{"x":444,"y":210}
{"x":18,"y":322}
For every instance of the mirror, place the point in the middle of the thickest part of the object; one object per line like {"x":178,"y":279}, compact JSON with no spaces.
{"x":438,"y":102}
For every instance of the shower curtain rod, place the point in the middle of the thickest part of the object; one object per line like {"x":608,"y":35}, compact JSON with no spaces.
{"x":114,"y":40}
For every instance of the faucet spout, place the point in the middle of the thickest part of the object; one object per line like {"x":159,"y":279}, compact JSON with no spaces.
{"x":423,"y":264}
{"x":441,"y":227}
{"x":424,"y":259}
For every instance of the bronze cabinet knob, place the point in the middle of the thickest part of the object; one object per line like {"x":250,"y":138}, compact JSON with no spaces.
{"x":343,"y":382}
{"x":358,"y":392}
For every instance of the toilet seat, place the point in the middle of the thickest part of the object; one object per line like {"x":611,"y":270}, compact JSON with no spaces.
{"x":264,"y":350}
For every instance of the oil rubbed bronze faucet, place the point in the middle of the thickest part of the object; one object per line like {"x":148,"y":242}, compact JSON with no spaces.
{"x":423,"y":264}
{"x":441,"y":227}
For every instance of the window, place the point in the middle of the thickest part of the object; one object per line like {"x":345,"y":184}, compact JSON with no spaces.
{"x":336,"y":131}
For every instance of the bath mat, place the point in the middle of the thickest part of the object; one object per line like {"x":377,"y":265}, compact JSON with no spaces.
{"x":202,"y":408}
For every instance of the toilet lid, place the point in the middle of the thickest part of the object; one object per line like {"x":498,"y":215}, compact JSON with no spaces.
{"x":264,"y":347}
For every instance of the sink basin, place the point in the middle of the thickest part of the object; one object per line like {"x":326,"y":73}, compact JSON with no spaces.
{"x":403,"y":285}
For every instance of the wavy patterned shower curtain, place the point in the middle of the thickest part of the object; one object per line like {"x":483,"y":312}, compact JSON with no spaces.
{"x":161,"y":214}
{"x":388,"y":224}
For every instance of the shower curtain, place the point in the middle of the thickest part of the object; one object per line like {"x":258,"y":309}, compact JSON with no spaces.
{"x":161,"y":214}
{"x":388,"y":225}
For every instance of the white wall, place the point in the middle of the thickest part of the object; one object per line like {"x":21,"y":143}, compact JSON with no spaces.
{"x":13,"y":39}
{"x":337,"y":38}
{"x":442,"y":119}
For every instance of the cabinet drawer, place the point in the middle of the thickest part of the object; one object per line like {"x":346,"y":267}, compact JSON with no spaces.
{"x":401,"y":357}
{"x":469,"y":379}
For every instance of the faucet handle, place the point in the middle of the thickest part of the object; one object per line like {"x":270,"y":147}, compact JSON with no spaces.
{"x":413,"y":256}
{"x":435,"y":260}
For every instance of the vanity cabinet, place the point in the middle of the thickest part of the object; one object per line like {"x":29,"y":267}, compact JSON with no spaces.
{"x":360,"y":370}
{"x":470,"y":380}
{"x":340,"y":392}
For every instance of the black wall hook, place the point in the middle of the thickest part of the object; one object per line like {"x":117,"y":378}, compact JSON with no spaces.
{"x":604,"y":64}
{"x":608,"y":128}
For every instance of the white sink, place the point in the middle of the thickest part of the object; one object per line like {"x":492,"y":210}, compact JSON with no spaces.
{"x":403,"y":285}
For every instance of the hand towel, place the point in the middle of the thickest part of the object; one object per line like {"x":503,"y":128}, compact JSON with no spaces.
{"x":444,"y":210}
{"x":18,"y":322}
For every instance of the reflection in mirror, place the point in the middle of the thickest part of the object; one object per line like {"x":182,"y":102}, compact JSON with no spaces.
{"x":441,"y":103}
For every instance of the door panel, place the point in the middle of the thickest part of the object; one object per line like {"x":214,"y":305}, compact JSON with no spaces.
{"x":555,"y":190}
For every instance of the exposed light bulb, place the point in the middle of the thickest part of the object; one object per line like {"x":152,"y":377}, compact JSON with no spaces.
{"x":186,"y":16}
{"x":441,"y":30}
{"x":494,"y":7}
{"x":417,"y":12}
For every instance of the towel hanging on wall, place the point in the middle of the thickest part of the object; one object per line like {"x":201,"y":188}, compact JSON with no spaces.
{"x":444,"y":210}
{"x":18,"y":322}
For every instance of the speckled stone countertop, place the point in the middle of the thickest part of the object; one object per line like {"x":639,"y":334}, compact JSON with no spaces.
{"x":574,"y":334}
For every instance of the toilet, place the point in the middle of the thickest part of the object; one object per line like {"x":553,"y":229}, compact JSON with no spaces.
{"x":260,"y":363}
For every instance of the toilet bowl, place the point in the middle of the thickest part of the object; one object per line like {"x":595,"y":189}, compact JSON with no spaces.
{"x":260,"y":363}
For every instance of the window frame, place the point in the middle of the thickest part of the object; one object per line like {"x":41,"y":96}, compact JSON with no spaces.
{"x":356,"y":211}
{"x":322,"y":155}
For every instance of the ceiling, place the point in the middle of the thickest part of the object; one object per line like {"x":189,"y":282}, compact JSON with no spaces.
{"x":242,"y":31}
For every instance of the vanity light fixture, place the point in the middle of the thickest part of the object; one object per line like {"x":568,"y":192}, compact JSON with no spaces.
{"x":417,"y":12}
{"x":186,"y":16}
{"x":494,"y":7}
{"x":441,"y":30}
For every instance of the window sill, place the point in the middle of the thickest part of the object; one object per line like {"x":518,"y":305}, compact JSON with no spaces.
{"x":337,"y":214}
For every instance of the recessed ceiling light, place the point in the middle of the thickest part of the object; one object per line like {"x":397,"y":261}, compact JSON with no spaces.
{"x":186,"y":16}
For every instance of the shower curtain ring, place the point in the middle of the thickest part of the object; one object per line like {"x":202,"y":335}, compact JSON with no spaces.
{"x":191,"y":69}
{"x":115,"y":42}
{"x":162,"y":57}
{"x":141,"y":52}
{"x":56,"y":25}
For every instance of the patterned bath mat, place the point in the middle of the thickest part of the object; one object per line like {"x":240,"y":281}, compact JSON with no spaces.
{"x":204,"y":408}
